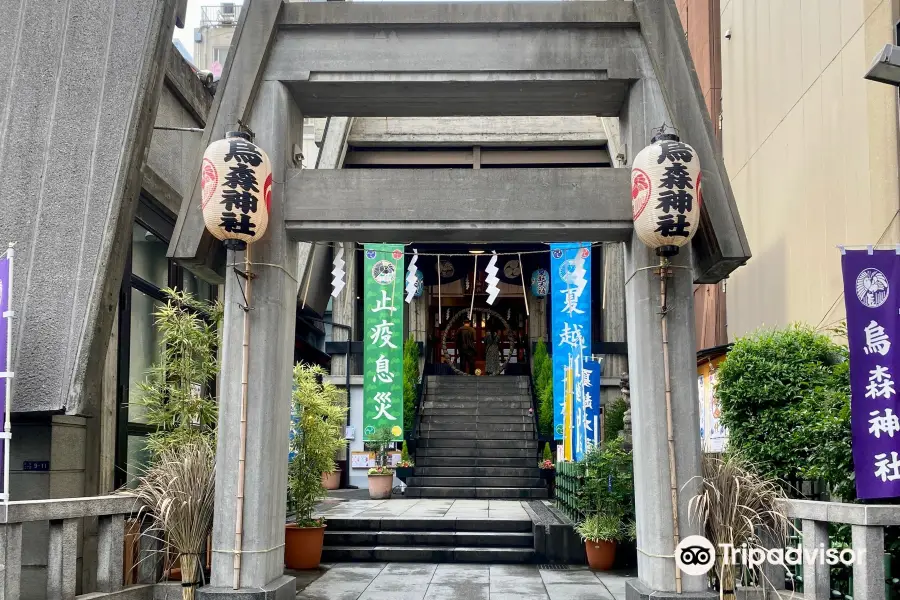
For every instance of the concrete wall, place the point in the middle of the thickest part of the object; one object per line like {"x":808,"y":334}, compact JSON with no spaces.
{"x":811,"y":149}
{"x":79,"y":92}
{"x":449,"y":131}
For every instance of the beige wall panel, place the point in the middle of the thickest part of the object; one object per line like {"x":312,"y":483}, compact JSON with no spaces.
{"x":829,"y":31}
{"x":811,"y":149}
{"x":855,"y":169}
{"x":811,"y":50}
{"x":852,"y":17}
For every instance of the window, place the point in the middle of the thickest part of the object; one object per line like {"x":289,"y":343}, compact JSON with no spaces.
{"x":220,"y":54}
{"x":147,"y":273}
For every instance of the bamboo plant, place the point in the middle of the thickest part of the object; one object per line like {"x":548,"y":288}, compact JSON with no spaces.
{"x":175,"y":395}
{"x":320,"y":409}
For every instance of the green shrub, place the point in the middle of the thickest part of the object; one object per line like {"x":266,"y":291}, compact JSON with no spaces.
{"x":410,"y":382}
{"x":614,"y":421}
{"x":404,"y":452}
{"x":547,"y":455}
{"x":543,"y":388}
{"x":608,"y":486}
{"x":785,"y":398}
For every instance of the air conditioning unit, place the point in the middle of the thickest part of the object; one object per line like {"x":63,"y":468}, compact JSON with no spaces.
{"x":227,"y":12}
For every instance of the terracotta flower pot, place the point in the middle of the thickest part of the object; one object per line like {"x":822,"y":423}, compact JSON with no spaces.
{"x":303,"y":546}
{"x":600,"y":554}
{"x":380,"y":486}
{"x":331,"y":481}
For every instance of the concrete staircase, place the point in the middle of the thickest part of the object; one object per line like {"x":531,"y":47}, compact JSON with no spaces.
{"x":351,"y":539}
{"x":476,"y":440}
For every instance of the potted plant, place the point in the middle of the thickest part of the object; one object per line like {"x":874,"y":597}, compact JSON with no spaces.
{"x":405,"y":466}
{"x":381,"y":476}
{"x":600,"y":532}
{"x":320,"y":410}
{"x":332,"y":480}
{"x":607,"y":499}
{"x":548,"y":469}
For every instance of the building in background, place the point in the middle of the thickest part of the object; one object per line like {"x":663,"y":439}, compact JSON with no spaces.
{"x":700,"y":19}
{"x":212,"y":38}
{"x":811,"y":149}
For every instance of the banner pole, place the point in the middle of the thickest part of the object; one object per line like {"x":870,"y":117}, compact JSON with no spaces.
{"x":524,"y":291}
{"x":474,"y":281}
{"x":7,"y":405}
{"x":439,"y":288}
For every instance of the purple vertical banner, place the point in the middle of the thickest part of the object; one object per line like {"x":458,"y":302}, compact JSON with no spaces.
{"x":5,"y":290}
{"x":872,"y":299}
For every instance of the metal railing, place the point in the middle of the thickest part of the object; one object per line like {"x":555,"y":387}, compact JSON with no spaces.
{"x":225,"y":14}
{"x":64,"y":517}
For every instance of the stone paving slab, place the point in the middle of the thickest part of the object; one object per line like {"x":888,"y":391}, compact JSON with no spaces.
{"x":426,"y":581}
{"x":426,"y":508}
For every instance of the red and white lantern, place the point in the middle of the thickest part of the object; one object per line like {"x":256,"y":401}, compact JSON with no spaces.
{"x":236,"y":190}
{"x":665,"y":194}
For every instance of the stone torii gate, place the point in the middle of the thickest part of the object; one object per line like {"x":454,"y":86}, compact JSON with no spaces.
{"x":610,"y":58}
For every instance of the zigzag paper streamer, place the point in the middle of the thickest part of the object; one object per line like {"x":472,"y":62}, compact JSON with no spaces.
{"x":411,"y":279}
{"x":578,"y":275}
{"x":337,"y":284}
{"x":492,"y":279}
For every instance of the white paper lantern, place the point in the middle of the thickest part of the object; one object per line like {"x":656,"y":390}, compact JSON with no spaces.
{"x":665,"y":194}
{"x":236,"y":190}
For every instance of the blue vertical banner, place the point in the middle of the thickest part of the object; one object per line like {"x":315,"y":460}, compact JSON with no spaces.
{"x":872,"y":300}
{"x":590,"y":404}
{"x":570,"y":270}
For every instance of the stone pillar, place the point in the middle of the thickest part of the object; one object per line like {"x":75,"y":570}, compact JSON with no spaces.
{"x":277,"y":124}
{"x":613,"y":315}
{"x":653,"y":500}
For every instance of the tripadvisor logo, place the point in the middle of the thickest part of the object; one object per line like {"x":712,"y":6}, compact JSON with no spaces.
{"x":696,"y":555}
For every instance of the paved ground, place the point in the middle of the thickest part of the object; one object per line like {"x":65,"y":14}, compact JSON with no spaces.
{"x":426,"y":509}
{"x":417,"y":581}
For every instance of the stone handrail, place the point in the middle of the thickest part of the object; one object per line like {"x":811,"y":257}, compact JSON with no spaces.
{"x":64,"y":515}
{"x":867,"y":524}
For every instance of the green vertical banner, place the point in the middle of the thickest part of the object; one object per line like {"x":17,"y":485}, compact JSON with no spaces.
{"x":383,"y":339}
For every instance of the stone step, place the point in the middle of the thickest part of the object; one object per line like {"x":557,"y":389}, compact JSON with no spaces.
{"x":473,"y":471}
{"x":477,"y":460}
{"x":456,"y":492}
{"x":478,"y":404}
{"x":431,"y":425}
{"x":443,"y":419}
{"x":427,"y":524}
{"x":470,"y":452}
{"x":484,"y":411}
{"x":430,"y":538}
{"x":523,"y":444}
{"x":477,"y":433}
{"x":478,"y":482}
{"x":428,"y":554}
{"x":479,"y":395}
{"x":472,"y":380}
